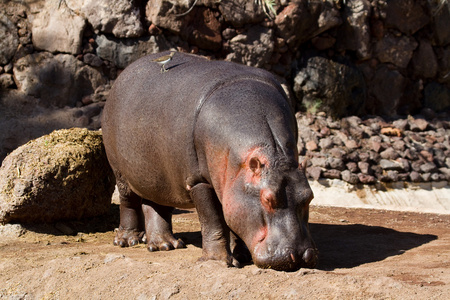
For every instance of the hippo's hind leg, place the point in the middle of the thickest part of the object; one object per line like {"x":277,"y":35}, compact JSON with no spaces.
{"x":158,"y":227}
{"x":131,"y":229}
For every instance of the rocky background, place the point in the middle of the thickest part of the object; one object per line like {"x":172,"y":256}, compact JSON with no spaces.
{"x":343,"y":61}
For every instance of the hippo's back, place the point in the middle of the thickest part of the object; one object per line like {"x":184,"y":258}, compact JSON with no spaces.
{"x":149,"y":120}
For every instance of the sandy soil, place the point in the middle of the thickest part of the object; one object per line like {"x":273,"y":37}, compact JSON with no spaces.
{"x":364,"y":254}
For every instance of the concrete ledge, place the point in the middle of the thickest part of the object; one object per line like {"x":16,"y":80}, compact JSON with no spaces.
{"x":426,"y":197}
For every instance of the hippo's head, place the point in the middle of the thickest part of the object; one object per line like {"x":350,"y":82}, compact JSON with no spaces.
{"x":267,"y":206}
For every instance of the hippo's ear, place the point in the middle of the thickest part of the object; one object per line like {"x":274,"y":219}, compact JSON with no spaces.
{"x":302,"y":165}
{"x":255,"y":165}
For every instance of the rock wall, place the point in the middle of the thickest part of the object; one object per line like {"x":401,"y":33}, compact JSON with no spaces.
{"x":58,"y":59}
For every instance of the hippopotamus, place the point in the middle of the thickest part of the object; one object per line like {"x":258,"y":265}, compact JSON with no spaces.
{"x":216,"y":136}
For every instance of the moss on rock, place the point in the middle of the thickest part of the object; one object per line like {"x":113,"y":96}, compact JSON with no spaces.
{"x":60,"y":176}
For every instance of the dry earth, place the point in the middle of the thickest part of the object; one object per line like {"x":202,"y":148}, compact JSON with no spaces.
{"x":364,"y":254}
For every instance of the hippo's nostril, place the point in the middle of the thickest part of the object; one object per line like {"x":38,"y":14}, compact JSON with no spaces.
{"x":308,"y":255}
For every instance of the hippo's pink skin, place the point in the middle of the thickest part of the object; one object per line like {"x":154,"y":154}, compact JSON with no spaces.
{"x":217,"y":136}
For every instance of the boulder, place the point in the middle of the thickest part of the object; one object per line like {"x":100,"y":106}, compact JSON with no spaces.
{"x":334,"y":88}
{"x":412,"y":100}
{"x":437,"y":97}
{"x":163,"y":13}
{"x":387,"y":86}
{"x":444,"y":65}
{"x":9,"y":40}
{"x":440,"y":29}
{"x":175,"y":16}
{"x":355,"y":32}
{"x":408,"y":16}
{"x":120,"y":17}
{"x":61,"y":176}
{"x":241,"y":12}
{"x":424,"y":61}
{"x":253,"y":47}
{"x":59,"y":80}
{"x":301,"y":20}
{"x":6,"y":81}
{"x":396,"y":50}
{"x":123,"y":52}
{"x":203,"y":29}
{"x":56,"y":28}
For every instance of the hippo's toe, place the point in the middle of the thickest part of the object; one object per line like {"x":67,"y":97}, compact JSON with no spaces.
{"x":164,"y":243}
{"x":127,"y":238}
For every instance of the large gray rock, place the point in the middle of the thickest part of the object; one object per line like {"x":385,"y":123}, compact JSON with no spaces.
{"x":9,"y":40}
{"x":355,"y":32}
{"x":61,"y":176}
{"x":203,"y":29}
{"x":324,"y":85}
{"x":441,"y":16}
{"x":57,"y":29}
{"x":6,"y":81}
{"x":437,"y":97}
{"x":424,"y":61}
{"x":241,"y":12}
{"x":301,"y":20}
{"x":387,"y":86}
{"x":444,"y":65}
{"x":59,"y":80}
{"x":197,"y":25}
{"x":123,"y":52}
{"x":163,"y":13}
{"x":119,"y":17}
{"x":396,"y":50}
{"x":408,"y":16}
{"x":252,"y":48}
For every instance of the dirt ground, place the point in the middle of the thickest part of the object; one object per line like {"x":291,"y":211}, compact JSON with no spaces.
{"x":364,"y":254}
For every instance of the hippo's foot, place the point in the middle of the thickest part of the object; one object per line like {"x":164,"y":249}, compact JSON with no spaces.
{"x":128,"y":238}
{"x":163,"y":242}
{"x":229,"y":260}
{"x":219,"y":251}
{"x":158,"y":227}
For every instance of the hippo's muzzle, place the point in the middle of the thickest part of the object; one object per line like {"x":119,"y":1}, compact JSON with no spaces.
{"x":285,"y":259}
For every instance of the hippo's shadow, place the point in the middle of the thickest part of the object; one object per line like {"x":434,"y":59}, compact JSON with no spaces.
{"x":193,"y":238}
{"x":348,"y":246}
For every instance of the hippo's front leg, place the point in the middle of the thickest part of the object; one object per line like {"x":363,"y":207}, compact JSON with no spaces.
{"x":158,"y":227}
{"x":215,"y":232}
